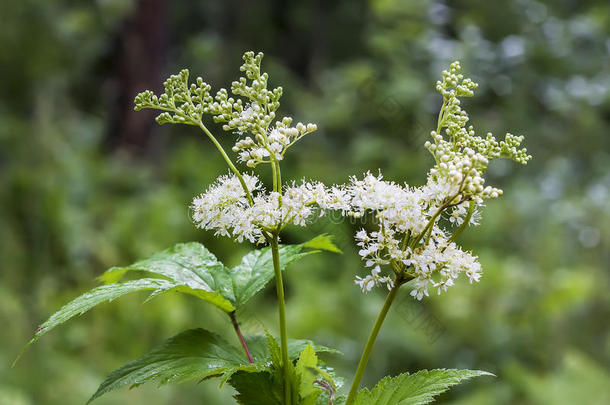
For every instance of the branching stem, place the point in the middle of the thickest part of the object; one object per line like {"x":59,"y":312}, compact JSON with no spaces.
{"x":465,"y":223}
{"x":228,"y":160}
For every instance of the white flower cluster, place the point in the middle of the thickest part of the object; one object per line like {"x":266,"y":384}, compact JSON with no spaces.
{"x":412,"y":234}
{"x":408,"y":236}
{"x":402,"y":213}
{"x":439,"y":263}
{"x":224,"y":207}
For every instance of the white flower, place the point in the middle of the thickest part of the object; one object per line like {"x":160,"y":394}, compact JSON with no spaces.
{"x":367,"y":283}
{"x":225,"y":208}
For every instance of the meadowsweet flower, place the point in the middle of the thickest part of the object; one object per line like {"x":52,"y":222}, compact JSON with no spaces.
{"x":409,"y":234}
{"x":367,"y":283}
{"x":224,"y":207}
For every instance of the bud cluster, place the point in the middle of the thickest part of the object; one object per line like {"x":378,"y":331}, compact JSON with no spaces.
{"x":255,"y":114}
{"x":250,"y":112}
{"x":181,"y":103}
{"x":461,"y":156}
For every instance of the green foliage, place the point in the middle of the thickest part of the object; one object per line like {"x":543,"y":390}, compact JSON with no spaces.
{"x":414,"y":389}
{"x":258,"y":388}
{"x":256,"y":270}
{"x":324,"y":242}
{"x":191,"y":355}
{"x":261,"y":347}
{"x":187,"y":268}
{"x":194,"y":355}
{"x":308,"y":380}
{"x":94,"y":297}
{"x":305,"y":376}
{"x":193,"y":265}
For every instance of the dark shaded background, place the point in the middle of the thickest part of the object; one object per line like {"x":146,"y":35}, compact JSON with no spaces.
{"x":86,"y":183}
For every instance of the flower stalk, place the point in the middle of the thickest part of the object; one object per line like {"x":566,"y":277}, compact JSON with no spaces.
{"x":372,"y":338}
{"x":227,"y":160}
{"x":279,"y":284}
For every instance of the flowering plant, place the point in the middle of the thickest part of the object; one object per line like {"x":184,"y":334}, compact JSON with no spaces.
{"x":411,"y":240}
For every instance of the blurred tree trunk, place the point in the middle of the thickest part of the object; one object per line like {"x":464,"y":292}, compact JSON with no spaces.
{"x":139,"y":56}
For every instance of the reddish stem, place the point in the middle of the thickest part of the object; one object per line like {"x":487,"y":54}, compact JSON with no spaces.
{"x":240,"y":336}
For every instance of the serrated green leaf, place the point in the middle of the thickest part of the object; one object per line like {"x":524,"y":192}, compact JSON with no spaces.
{"x":305,"y":372}
{"x":256,"y":270}
{"x":198,"y":272}
{"x":270,"y":382}
{"x":324,"y":242}
{"x":193,"y":269}
{"x":414,"y":389}
{"x":194,"y":355}
{"x":273,"y":348}
{"x":259,"y":347}
{"x":189,"y":264}
{"x":262,"y":388}
{"x":88,"y":300}
{"x":187,"y":268}
{"x":191,"y":355}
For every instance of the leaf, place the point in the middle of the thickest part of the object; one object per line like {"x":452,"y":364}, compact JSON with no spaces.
{"x":262,"y":388}
{"x":194,"y":355}
{"x":256,"y":270}
{"x":94,"y":297}
{"x":191,"y":355}
{"x":267,"y":387}
{"x":196,"y":271}
{"x":323,"y":242}
{"x":305,"y":372}
{"x":193,"y":269}
{"x":259,"y":347}
{"x":414,"y":389}
{"x":187,"y":268}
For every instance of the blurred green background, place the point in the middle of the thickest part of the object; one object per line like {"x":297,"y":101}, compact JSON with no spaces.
{"x":86,"y":183}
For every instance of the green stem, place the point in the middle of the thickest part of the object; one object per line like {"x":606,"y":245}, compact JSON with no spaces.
{"x":274,"y":175}
{"x":279,"y":284}
{"x":371,"y":341}
{"x":279,"y":177}
{"x":228,"y":160}
{"x":465,"y":223}
{"x":428,"y":225}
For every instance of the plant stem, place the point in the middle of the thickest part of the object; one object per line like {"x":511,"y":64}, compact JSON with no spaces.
{"x":465,"y":223}
{"x":279,"y":284}
{"x":240,"y":336}
{"x":228,"y":160}
{"x":371,"y":341}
